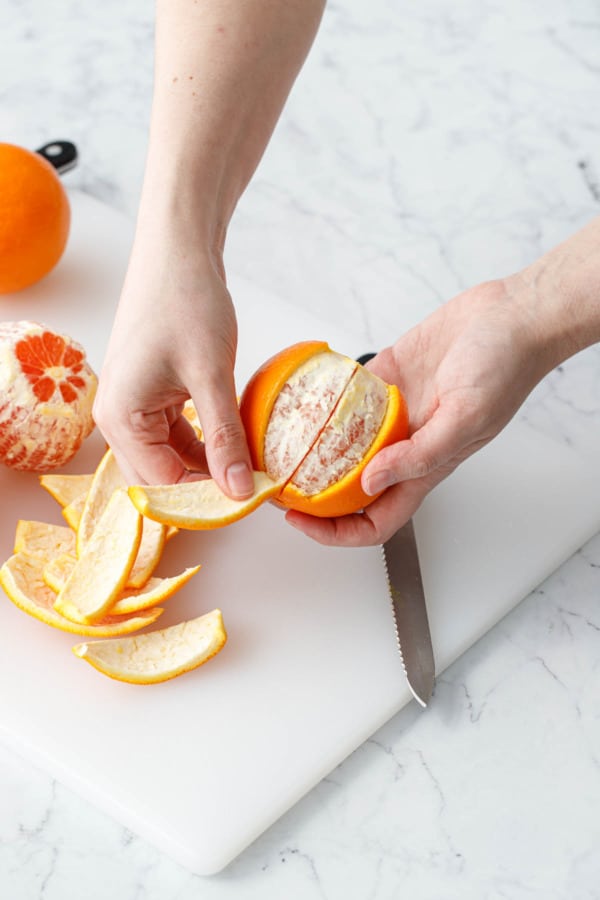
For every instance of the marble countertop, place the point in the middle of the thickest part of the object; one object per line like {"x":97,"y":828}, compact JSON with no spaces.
{"x":421,"y":151}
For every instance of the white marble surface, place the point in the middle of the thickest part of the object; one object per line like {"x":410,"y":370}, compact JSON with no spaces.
{"x":425,"y":147}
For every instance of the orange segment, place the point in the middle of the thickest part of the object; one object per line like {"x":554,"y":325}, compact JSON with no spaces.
{"x":199,"y":505}
{"x":104,"y":566}
{"x":22,"y":579}
{"x":158,"y":655}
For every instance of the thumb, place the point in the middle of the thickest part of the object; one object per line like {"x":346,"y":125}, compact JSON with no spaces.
{"x":227,"y":452}
{"x":428,"y":452}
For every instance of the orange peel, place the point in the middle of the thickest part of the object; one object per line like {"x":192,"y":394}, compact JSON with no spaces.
{"x":102,"y":569}
{"x":158,"y":655}
{"x":21,"y":577}
{"x":43,"y":539}
{"x":199,"y":505}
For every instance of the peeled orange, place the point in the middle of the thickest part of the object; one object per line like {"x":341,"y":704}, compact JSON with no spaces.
{"x":47,"y":389}
{"x":35,"y":218}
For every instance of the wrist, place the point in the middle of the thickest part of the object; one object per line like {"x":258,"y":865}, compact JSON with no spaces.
{"x":561,"y":293}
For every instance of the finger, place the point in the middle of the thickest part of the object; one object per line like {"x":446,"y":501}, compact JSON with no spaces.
{"x":225,"y":443}
{"x":439,"y":445}
{"x":184,"y":440}
{"x":140,"y":442}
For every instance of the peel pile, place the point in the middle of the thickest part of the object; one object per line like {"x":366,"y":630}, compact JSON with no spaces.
{"x":94,"y":577}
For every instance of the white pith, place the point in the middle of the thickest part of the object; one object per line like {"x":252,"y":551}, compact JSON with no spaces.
{"x":313,"y":450}
{"x":302,"y":409}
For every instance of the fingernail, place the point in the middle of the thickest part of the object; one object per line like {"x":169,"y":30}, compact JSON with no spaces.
{"x":379,"y":482}
{"x":239,"y":479}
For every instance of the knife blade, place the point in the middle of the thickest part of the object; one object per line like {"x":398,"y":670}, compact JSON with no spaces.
{"x":401,"y":560}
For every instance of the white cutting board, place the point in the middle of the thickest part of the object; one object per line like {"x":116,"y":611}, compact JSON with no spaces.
{"x":201,"y":765}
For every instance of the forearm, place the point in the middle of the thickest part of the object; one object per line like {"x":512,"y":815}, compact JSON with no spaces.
{"x":223,"y":71}
{"x":561,"y":291}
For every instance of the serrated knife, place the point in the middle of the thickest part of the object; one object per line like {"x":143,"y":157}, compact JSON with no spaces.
{"x":401,"y":559}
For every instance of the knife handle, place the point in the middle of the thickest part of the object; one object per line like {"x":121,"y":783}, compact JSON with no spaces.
{"x":365,"y":358}
{"x":60,"y":154}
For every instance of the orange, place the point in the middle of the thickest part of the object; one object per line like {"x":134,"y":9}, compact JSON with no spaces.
{"x":35,"y":218}
{"x":313,"y":419}
{"x":47,"y":389}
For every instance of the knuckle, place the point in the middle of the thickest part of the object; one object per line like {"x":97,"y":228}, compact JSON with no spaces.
{"x":225,"y":435}
{"x":423,"y":466}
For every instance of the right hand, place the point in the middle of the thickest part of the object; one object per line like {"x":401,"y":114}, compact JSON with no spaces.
{"x":174,"y":337}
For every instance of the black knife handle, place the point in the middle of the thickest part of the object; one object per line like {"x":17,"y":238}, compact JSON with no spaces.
{"x":60,"y":154}
{"x":365,"y":358}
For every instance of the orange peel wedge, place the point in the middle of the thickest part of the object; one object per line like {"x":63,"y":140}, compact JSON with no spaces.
{"x":58,"y":570}
{"x":104,"y":566}
{"x":155,"y":591}
{"x":199,"y":505}
{"x":21,"y":577}
{"x":43,"y":539}
{"x":106,"y":479}
{"x":66,"y":488}
{"x":149,"y":553}
{"x":158,"y":655}
{"x":72,"y":512}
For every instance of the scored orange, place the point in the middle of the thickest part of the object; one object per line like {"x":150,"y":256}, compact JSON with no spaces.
{"x":35,"y":218}
{"x":313,"y":419}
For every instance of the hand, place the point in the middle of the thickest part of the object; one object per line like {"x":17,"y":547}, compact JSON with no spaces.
{"x":174,"y":337}
{"x":464,"y":372}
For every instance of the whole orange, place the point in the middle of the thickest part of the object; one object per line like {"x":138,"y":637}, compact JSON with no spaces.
{"x":34,"y":218}
{"x":313,"y":419}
